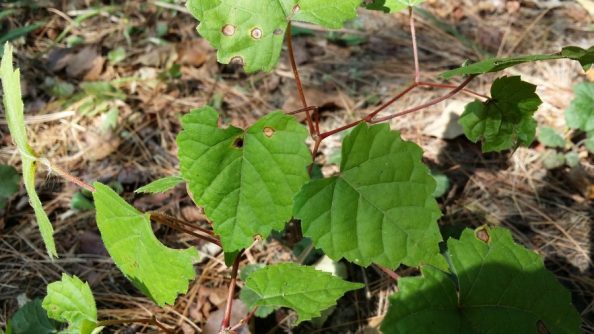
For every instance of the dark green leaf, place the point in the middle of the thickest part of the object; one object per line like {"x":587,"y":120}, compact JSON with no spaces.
{"x":32,"y":319}
{"x":9,"y":184}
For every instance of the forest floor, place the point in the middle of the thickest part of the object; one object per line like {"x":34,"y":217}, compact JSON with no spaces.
{"x":150,"y":67}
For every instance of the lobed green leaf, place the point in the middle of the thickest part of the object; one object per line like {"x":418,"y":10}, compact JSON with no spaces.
{"x":15,"y":117}
{"x":380,"y":209}
{"x":506,"y":119}
{"x":252,"y":32}
{"x":550,"y":138}
{"x":245,"y":180}
{"x":496,"y":286}
{"x":161,"y":185}
{"x":158,"y":271}
{"x":584,"y":56}
{"x":70,"y":300}
{"x":301,"y":288}
{"x":580,"y":114}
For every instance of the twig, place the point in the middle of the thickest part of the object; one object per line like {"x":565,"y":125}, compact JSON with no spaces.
{"x":414,"y":43}
{"x":177,"y":224}
{"x":229,"y":306}
{"x":244,"y":321}
{"x":66,"y":175}
{"x":392,"y":274}
{"x":465,"y":90}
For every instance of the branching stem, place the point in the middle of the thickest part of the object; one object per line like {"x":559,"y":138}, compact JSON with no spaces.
{"x":184,"y":227}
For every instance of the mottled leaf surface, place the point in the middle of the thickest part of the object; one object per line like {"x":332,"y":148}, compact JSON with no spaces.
{"x":252,"y":32}
{"x":15,"y":117}
{"x":70,"y":300}
{"x":301,"y":288}
{"x":158,"y":271}
{"x":244,"y":179}
{"x":496,"y":287}
{"x":380,"y":209}
{"x":584,"y":56}
{"x":506,"y":119}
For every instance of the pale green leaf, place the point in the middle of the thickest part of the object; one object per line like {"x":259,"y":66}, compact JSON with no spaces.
{"x":583,"y":56}
{"x":549,"y":137}
{"x":116,"y":55}
{"x":158,"y":271}
{"x":9,"y":184}
{"x":552,"y":159}
{"x":392,"y":6}
{"x":70,"y":300}
{"x":506,"y":119}
{"x":590,"y":144}
{"x":580,"y":114}
{"x":496,"y":287}
{"x":572,"y":159}
{"x":442,"y":184}
{"x":161,"y":185}
{"x":380,"y":209}
{"x":245,"y":180}
{"x":14,"y":113}
{"x":252,"y":32}
{"x":301,"y":288}
{"x":32,"y":319}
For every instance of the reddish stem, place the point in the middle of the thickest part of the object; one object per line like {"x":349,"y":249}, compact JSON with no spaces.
{"x":69,"y":177}
{"x":389,"y":103}
{"x":426,"y":105}
{"x":414,"y":43}
{"x":392,"y":274}
{"x":244,"y":321}
{"x":179,"y":225}
{"x":437,"y":85}
{"x":298,"y":81}
{"x":231,"y":293}
{"x":298,"y":111}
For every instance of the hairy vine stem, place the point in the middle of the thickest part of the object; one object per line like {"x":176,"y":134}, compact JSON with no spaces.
{"x":185,"y":227}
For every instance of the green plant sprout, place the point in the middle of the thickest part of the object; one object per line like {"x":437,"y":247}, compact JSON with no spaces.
{"x":379,"y":210}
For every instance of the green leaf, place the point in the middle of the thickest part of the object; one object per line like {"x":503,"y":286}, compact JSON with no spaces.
{"x":15,"y":117}
{"x":252,"y":32}
{"x":71,"y":300}
{"x":590,"y":144}
{"x":442,"y":184}
{"x":496,"y":287}
{"x":9,"y":184}
{"x":161,"y":185}
{"x":32,"y":319}
{"x":245,"y":180}
{"x":392,"y":6}
{"x":549,"y":137}
{"x":580,"y":114}
{"x":572,"y":159}
{"x":583,"y":56}
{"x":301,"y":288}
{"x":505,"y":120}
{"x":116,"y":55}
{"x":380,"y":209}
{"x":81,"y":202}
{"x":158,"y":271}
{"x":249,"y":298}
{"x":552,"y":159}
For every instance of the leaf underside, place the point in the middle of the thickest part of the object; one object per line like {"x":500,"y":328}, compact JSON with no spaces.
{"x":380,"y":209}
{"x":301,"y":288}
{"x":158,"y":271}
{"x":506,"y":119}
{"x":14,"y":112}
{"x":584,"y":56}
{"x":252,"y":32}
{"x":244,"y":180}
{"x":499,"y":287}
{"x":70,"y":300}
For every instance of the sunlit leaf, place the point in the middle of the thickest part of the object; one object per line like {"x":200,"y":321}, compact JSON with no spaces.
{"x":380,"y":209}
{"x":14,"y":112}
{"x":506,"y":119}
{"x":496,"y":286}
{"x":158,"y":271}
{"x":584,"y":56}
{"x":244,"y":179}
{"x":301,"y":288}
{"x":252,"y":32}
{"x":161,"y":185}
{"x":70,"y":300}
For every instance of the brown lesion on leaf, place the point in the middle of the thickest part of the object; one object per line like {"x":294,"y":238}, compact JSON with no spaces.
{"x":238,"y":143}
{"x":237,"y":60}
{"x":228,"y":30}
{"x":256,"y":33}
{"x":268,"y":131}
{"x":482,"y":233}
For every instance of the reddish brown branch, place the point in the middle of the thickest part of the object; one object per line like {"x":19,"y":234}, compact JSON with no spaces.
{"x":449,"y":86}
{"x":185,"y":227}
{"x":231,"y":294}
{"x":148,"y":321}
{"x":244,"y":321}
{"x":69,"y":177}
{"x":392,"y":274}
{"x":389,"y":103}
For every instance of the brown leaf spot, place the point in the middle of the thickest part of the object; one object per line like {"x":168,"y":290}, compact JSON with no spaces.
{"x":296,"y":9}
{"x":268,"y":131}
{"x":256,"y":33}
{"x":482,"y":233}
{"x":541,"y":328}
{"x":278,"y":31}
{"x":238,"y":143}
{"x":228,"y":30}
{"x":237,"y":60}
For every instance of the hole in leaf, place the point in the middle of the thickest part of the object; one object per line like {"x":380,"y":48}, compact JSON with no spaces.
{"x":268,"y":131}
{"x":482,"y":233}
{"x":256,"y":33}
{"x":237,"y":60}
{"x":228,"y":30}
{"x":238,"y":143}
